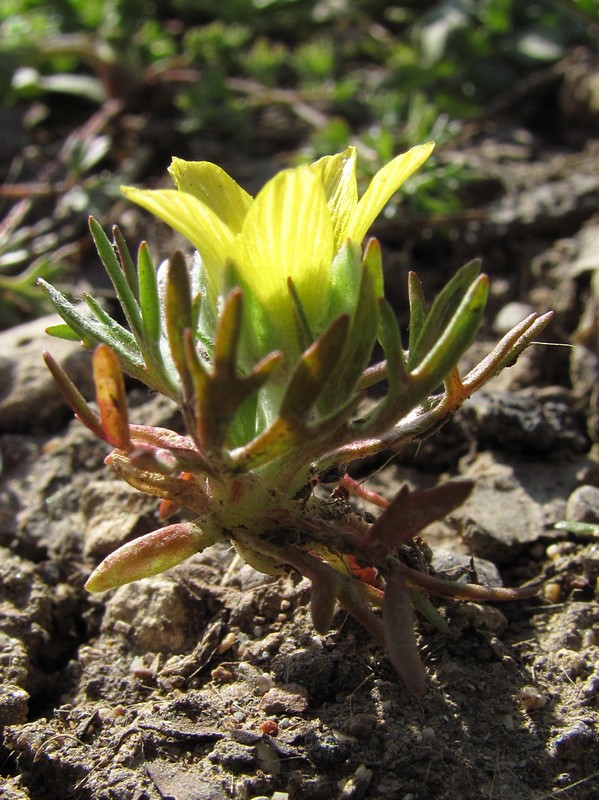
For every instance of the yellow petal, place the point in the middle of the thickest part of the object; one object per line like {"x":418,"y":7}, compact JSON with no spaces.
{"x":384,"y":184}
{"x":214,"y":188}
{"x":339,"y":180}
{"x":192,"y":219}
{"x":288,"y":233}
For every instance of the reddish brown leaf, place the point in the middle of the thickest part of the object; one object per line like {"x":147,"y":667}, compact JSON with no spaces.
{"x":410,"y":512}
{"x":398,"y":625}
{"x":111,"y":397}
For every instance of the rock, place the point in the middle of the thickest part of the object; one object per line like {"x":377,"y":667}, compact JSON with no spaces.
{"x":583,"y":505}
{"x":180,"y":780}
{"x":233,"y":756}
{"x":522,"y":422}
{"x":29,"y":397}
{"x":291,"y":699}
{"x":500,"y":518}
{"x":515,"y":502}
{"x":154,"y":613}
{"x":510,"y":315}
{"x":454,"y":566}
{"x":115,"y":513}
{"x":576,"y":740}
{"x":14,"y":705}
{"x":325,"y":749}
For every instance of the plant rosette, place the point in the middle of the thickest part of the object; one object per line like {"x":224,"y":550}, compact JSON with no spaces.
{"x":265,"y":339}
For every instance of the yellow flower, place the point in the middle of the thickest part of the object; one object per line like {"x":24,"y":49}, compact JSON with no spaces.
{"x":293,"y":228}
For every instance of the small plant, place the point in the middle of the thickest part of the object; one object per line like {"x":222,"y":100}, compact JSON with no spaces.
{"x":265,"y":340}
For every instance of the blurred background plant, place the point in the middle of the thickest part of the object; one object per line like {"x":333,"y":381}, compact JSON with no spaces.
{"x":94,"y":95}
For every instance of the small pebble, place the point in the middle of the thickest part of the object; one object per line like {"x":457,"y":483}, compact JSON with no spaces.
{"x":361,"y":724}
{"x":531,"y":698}
{"x":511,"y":315}
{"x":428,"y":734}
{"x":293,"y":699}
{"x":508,"y":722}
{"x":263,"y":683}
{"x":552,"y":592}
{"x":269,"y":727}
{"x":558,"y":549}
{"x":226,"y":643}
{"x":583,"y":504}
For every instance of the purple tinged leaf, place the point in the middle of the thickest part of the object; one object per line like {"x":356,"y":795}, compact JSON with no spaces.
{"x":72,"y":396}
{"x":442,"y":587}
{"x":323,"y":598}
{"x":398,"y":625}
{"x":410,"y":512}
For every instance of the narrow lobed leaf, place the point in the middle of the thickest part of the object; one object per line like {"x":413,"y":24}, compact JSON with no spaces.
{"x":73,"y":397}
{"x":126,"y":260}
{"x":398,"y":625}
{"x":63,"y":331}
{"x":313,"y":371}
{"x":323,"y":599}
{"x":178,"y":314}
{"x":111,"y":397}
{"x":418,"y":311}
{"x":455,"y":338}
{"x":442,"y":312}
{"x":149,"y":555}
{"x":118,"y":278}
{"x":148,"y":295}
{"x":410,"y":512}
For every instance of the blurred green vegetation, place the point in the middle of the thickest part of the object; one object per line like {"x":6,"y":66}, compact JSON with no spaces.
{"x":300,"y":77}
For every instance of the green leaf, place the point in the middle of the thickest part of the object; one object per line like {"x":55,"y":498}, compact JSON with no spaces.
{"x":344,"y":280}
{"x":63,"y":332}
{"x":118,"y":278}
{"x":148,"y":295}
{"x":443,"y":310}
{"x":360,"y":340}
{"x":454,"y":337}
{"x":119,"y":333}
{"x":178,"y":314}
{"x":91,"y":332}
{"x":387,"y":411}
{"x":127,"y":264}
{"x":417,"y":310}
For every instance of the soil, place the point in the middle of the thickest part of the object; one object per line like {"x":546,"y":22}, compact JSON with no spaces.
{"x":209,"y":683}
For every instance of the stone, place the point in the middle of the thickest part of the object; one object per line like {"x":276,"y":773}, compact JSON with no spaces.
{"x":30,"y":400}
